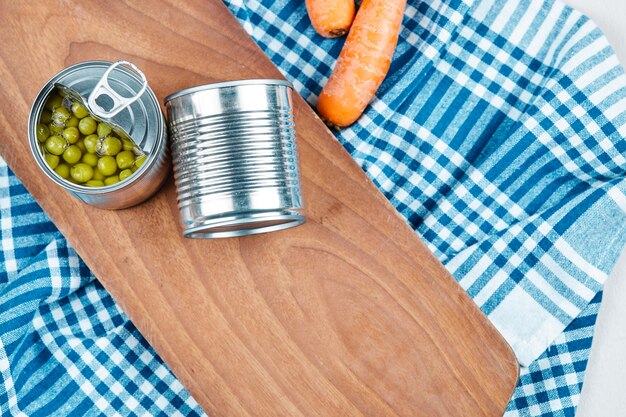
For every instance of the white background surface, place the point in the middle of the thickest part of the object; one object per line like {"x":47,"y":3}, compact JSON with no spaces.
{"x":604,"y":389}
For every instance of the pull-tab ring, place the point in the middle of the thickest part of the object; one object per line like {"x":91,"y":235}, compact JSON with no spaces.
{"x":119,"y":102}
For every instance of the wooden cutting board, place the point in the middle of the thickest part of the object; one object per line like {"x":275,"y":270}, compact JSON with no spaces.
{"x":348,"y":315}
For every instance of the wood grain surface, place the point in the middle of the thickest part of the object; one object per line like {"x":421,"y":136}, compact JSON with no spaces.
{"x":348,"y":315}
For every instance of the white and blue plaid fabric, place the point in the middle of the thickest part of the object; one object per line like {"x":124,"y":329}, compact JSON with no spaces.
{"x":498,"y":135}
{"x":65,"y":347}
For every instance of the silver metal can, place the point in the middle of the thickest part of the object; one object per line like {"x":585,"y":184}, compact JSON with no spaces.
{"x":235,"y":158}
{"x":135,"y":110}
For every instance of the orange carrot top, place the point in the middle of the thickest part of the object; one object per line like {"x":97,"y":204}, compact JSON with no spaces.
{"x":363,"y":62}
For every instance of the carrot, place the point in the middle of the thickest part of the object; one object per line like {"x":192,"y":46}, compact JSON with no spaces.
{"x":363,"y":62}
{"x":331,"y":18}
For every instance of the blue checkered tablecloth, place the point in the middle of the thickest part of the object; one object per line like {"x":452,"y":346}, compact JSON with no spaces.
{"x":498,"y":135}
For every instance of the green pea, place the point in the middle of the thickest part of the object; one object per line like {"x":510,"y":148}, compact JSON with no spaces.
{"x":52,"y":160}
{"x":56,"y":128}
{"x":72,"y":122}
{"x":97,"y":175}
{"x":125,"y":174}
{"x":81,"y":146}
{"x":71,"y":135}
{"x":87,"y":125}
{"x":125,"y":159}
{"x":91,"y":143}
{"x":72,"y":154}
{"x":46,"y":117}
{"x":42,"y":132}
{"x":90,"y":159}
{"x":63,"y":170}
{"x":128,"y":144}
{"x":81,"y":172}
{"x":79,"y":110}
{"x":55,"y":145}
{"x":53,"y":102}
{"x":94,"y":183}
{"x":107,"y":165}
{"x":60,"y":115}
{"x":110,"y":146}
{"x":111,"y":180}
{"x":104,"y":130}
{"x":138,"y":162}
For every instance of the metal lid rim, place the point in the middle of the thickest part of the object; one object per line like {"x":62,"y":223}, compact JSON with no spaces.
{"x":226,"y":84}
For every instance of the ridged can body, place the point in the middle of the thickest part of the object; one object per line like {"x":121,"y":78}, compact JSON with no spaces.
{"x":142,"y":120}
{"x":235,"y":158}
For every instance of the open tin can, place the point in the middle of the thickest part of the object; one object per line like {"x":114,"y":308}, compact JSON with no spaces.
{"x":235,"y":158}
{"x":118,"y":94}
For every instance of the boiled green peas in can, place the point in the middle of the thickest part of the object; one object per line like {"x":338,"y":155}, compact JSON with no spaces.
{"x":82,"y":150}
